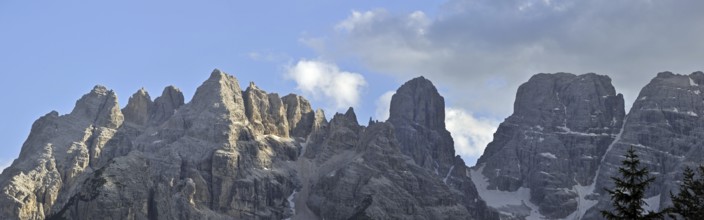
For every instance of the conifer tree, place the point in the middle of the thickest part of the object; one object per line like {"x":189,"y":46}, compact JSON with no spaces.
{"x":627,"y":197}
{"x":689,"y":202}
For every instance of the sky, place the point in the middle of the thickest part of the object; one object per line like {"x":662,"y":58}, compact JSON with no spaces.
{"x":336,"y":53}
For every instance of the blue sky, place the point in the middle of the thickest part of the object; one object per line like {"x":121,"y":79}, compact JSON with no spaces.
{"x":476,"y":51}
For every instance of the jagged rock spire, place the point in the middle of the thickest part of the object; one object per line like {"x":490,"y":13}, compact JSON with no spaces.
{"x":418,"y":101}
{"x":166,"y":105}
{"x":138,"y":108}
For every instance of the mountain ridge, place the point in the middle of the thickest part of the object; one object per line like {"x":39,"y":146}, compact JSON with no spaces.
{"x":228,"y":153}
{"x":248,"y":154}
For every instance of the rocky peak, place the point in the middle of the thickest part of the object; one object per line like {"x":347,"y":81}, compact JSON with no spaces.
{"x":665,"y":127}
{"x":564,"y":101}
{"x":166,"y":105}
{"x":138,"y":108}
{"x":320,"y":120}
{"x":346,"y":120}
{"x":299,"y":114}
{"x":252,"y":86}
{"x":697,"y":77}
{"x":418,"y":102}
{"x":417,"y":112}
{"x":99,"y":107}
{"x":560,"y":129}
{"x":350,"y":115}
{"x":265,"y":112}
{"x":220,"y":93}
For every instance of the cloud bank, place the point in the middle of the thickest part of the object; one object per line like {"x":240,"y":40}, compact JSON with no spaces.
{"x":483,"y":49}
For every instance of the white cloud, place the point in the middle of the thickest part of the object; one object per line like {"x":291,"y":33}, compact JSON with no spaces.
{"x":383,"y":103}
{"x":471,"y":134}
{"x":325,"y":80}
{"x":357,"y":19}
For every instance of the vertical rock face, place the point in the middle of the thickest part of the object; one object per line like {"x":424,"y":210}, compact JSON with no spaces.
{"x":57,"y":152}
{"x":665,"y":127}
{"x":265,"y":111}
{"x":417,"y":113}
{"x":300,"y":115}
{"x":232,"y":154}
{"x":361,"y":173}
{"x":552,"y":144}
{"x":138,"y":108}
{"x":166,"y":105}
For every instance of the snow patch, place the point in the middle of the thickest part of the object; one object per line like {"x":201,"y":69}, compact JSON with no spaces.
{"x":643,"y":98}
{"x":582,"y":191}
{"x":436,"y":168}
{"x":583,"y":204}
{"x":509,"y":203}
{"x":692,"y":113}
{"x":692,"y":83}
{"x":291,"y":204}
{"x":548,"y":155}
{"x":652,"y":203}
{"x":448,"y":174}
{"x":570,"y":132}
{"x":157,"y":141}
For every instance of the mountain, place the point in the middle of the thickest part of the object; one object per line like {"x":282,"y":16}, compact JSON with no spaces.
{"x":541,"y":155}
{"x":234,"y":154}
{"x":248,"y":154}
{"x":665,"y":127}
{"x":553,"y":157}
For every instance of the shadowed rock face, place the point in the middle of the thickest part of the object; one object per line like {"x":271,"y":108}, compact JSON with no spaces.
{"x":233,"y":154}
{"x":666,"y":127}
{"x":417,"y":113}
{"x":561,"y":127}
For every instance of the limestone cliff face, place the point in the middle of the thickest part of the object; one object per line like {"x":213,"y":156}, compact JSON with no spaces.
{"x":552,"y":144}
{"x":665,"y":126}
{"x":59,"y":150}
{"x":265,"y":111}
{"x":417,"y":113}
{"x":233,"y":154}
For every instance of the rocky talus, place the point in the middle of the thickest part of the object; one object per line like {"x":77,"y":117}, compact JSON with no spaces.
{"x":234,"y":154}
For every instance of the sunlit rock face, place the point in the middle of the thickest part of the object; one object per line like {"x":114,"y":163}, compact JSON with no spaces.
{"x":234,"y":154}
{"x":553,"y":142}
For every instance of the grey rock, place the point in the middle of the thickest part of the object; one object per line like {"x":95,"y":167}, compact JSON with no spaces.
{"x":665,"y":127}
{"x":138,"y":108}
{"x":417,"y":113}
{"x":227,"y":154}
{"x":300,"y":115}
{"x":362,"y":174}
{"x":166,"y":105}
{"x":561,"y":127}
{"x":265,"y":111}
{"x":58,"y":151}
